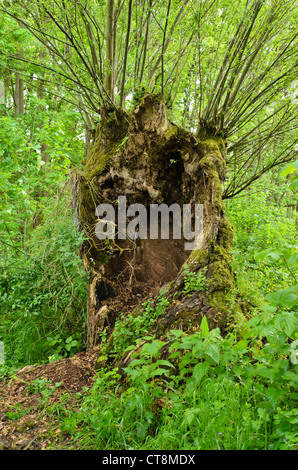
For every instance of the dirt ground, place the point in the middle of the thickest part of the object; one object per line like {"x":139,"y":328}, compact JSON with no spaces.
{"x":24,"y":425}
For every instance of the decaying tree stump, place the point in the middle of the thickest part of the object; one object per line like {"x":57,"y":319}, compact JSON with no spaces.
{"x":149,"y":160}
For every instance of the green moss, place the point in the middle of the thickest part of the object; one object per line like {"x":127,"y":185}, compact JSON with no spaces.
{"x":153,"y":97}
{"x":212,"y":149}
{"x":210,"y":135}
{"x":110,"y":136}
{"x":207,"y":163}
{"x":217,"y":251}
{"x":226,"y":234}
{"x":211,"y":144}
{"x":218,"y":300}
{"x":171,"y":132}
{"x":222,"y":276}
{"x":199,"y":256}
{"x":213,"y":163}
{"x":96,"y":163}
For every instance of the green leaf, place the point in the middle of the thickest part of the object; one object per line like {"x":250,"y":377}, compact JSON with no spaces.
{"x":152,"y":348}
{"x":213,"y":351}
{"x":159,"y":371}
{"x":294,"y":184}
{"x":204,"y":327}
{"x":174,"y":354}
{"x":198,"y":350}
{"x":237,"y":370}
{"x":265,"y":372}
{"x":177,"y":333}
{"x":288,"y":169}
{"x":241,"y":346}
{"x":163,"y":362}
{"x":283,"y":297}
{"x":273,"y":395}
{"x":273,"y":254}
{"x":129,"y":348}
{"x":286,"y":321}
{"x":147,"y":338}
{"x":190,"y":415}
{"x":293,"y":259}
{"x":199,"y":371}
{"x":288,"y":375}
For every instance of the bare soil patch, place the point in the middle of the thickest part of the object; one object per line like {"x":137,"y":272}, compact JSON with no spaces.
{"x":24,"y":425}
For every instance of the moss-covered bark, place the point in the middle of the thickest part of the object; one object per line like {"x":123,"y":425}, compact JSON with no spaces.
{"x":148,"y":159}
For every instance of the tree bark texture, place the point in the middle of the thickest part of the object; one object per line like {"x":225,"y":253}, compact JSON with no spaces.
{"x":151,"y":160}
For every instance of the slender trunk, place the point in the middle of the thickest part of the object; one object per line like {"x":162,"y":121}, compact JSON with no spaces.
{"x":2,"y":97}
{"x":45,"y":157}
{"x":163,"y":48}
{"x":125,"y":54}
{"x":19,"y":88}
{"x":109,"y":82}
{"x":19,"y":95}
{"x":114,"y":64}
{"x":40,"y":95}
{"x":167,"y":42}
{"x":145,"y":42}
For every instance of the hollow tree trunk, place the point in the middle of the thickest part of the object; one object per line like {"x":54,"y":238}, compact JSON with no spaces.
{"x":149,"y":160}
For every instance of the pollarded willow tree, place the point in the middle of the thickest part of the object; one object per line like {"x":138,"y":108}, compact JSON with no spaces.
{"x":191,"y":102}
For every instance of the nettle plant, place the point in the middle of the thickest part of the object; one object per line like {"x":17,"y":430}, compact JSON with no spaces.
{"x":269,"y":366}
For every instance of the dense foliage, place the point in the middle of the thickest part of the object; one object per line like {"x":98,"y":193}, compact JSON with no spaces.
{"x":42,"y":281}
{"x":215,"y":391}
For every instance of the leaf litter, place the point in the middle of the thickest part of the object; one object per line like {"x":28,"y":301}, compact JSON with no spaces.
{"x":27,"y":397}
